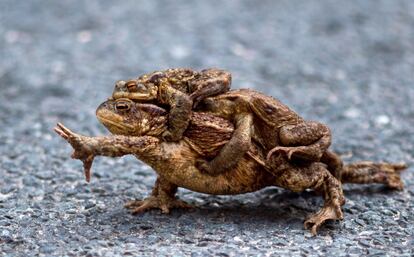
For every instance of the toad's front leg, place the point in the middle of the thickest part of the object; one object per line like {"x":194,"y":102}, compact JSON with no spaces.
{"x":162,"y":197}
{"x":86,"y":148}
{"x":233,"y":151}
{"x":307,"y":140}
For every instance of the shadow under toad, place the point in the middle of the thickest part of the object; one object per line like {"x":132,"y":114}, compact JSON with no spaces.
{"x":271,"y":209}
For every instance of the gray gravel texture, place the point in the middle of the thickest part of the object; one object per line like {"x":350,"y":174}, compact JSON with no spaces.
{"x":349,"y":64}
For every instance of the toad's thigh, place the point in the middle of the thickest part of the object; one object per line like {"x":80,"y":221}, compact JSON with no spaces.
{"x":300,"y":177}
{"x":305,"y":133}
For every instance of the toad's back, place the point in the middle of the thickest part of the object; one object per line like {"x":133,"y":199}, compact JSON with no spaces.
{"x":269,"y":113}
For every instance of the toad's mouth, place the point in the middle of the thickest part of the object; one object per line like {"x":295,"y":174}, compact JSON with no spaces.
{"x":114,"y":123}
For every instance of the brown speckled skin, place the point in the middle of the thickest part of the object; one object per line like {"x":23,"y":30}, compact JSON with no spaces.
{"x":273,"y":126}
{"x":138,"y":129}
{"x":177,"y":89}
{"x":282,"y":131}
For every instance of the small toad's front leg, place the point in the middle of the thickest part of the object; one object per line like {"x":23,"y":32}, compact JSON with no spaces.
{"x":233,"y":151}
{"x":162,"y":197}
{"x":180,"y":112}
{"x":308,"y":140}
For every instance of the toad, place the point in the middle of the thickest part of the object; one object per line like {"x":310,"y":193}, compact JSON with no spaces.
{"x":138,"y":128}
{"x":283,"y":132}
{"x":178,"y":89}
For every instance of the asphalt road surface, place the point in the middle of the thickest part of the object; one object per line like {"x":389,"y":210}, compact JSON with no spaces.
{"x":349,"y":64}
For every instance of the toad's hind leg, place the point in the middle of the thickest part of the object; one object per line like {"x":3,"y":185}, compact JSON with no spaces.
{"x":211,"y":82}
{"x":370,"y":172}
{"x":315,"y":176}
{"x":162,"y":197}
{"x":334,"y":163}
{"x":307,"y":140}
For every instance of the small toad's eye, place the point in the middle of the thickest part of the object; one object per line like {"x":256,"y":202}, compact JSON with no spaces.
{"x":123,"y":105}
{"x":132,"y":86}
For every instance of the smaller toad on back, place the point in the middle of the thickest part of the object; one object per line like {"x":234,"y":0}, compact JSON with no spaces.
{"x":177,"y":89}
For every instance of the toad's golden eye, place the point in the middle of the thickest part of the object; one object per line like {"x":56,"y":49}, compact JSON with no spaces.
{"x":123,"y":105}
{"x":132,"y":86}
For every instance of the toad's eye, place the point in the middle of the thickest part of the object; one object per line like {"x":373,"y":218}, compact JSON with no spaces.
{"x":123,"y":106}
{"x":132,"y":86}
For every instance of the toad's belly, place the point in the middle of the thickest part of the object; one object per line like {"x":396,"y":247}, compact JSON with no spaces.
{"x":177,"y":166}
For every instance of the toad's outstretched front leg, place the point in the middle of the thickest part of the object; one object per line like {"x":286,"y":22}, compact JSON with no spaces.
{"x":162,"y":197}
{"x":86,"y":148}
{"x":307,"y":140}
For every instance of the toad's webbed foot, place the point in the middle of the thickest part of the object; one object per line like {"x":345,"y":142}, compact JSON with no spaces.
{"x":78,"y":142}
{"x":81,"y":149}
{"x":165,"y":204}
{"x":329,"y":212}
{"x":314,"y":176}
{"x":285,"y":150}
{"x":162,"y":197}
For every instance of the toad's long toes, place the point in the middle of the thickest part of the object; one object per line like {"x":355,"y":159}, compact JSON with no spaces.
{"x":390,"y":174}
{"x":153,"y":202}
{"x":313,"y":227}
{"x":182,"y":204}
{"x":133,"y":204}
{"x":64,"y":129}
{"x":141,"y":209}
{"x":326,"y":213}
{"x":280,"y":149}
{"x":399,"y":166}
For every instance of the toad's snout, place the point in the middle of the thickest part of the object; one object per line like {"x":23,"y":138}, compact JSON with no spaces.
{"x":105,"y":106}
{"x":106,"y":112}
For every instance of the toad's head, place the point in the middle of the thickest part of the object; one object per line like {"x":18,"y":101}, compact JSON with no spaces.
{"x":125,"y":117}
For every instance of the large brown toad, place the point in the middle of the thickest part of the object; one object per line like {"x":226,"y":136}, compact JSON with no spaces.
{"x":138,"y":129}
{"x":281,"y":129}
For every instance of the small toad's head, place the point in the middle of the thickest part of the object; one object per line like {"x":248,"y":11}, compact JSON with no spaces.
{"x":125,"y":117}
{"x":145,"y":88}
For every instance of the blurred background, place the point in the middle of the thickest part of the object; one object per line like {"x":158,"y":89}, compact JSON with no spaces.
{"x":346,"y":63}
